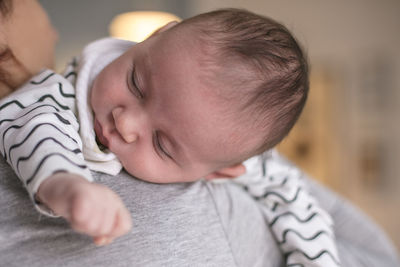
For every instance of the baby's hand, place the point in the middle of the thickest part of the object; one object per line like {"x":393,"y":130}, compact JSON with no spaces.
{"x":90,"y":208}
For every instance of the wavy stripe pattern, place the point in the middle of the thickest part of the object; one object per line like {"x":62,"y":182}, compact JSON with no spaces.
{"x":39,"y":130}
{"x":31,"y":132}
{"x":301,"y":228}
{"x":299,"y":235}
{"x":316,"y":257}
{"x":28,"y":112}
{"x":45,"y":158}
{"x":38,"y":145}
{"x":49,"y":74}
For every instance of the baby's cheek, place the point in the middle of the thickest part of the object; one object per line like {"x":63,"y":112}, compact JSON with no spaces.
{"x":143,"y":171}
{"x":134,"y":167}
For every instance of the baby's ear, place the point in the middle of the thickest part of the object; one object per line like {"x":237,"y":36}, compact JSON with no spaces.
{"x":167,"y":26}
{"x":227,"y":172}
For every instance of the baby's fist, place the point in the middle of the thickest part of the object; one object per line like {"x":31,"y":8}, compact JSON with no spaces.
{"x":90,"y":208}
{"x":97,"y":211}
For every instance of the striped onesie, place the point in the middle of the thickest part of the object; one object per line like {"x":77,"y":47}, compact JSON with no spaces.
{"x":47,"y":127}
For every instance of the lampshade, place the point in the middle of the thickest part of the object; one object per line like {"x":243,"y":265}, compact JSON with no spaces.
{"x":137,"y":26}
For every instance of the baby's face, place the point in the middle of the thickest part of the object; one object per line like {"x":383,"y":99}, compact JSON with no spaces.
{"x":155,"y":113}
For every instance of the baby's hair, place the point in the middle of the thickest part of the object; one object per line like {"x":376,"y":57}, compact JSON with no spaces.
{"x":274,"y":88}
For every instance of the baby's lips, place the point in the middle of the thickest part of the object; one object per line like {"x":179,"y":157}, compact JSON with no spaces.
{"x":99,"y":133}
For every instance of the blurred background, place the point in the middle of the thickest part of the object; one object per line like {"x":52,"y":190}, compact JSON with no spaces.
{"x":348,"y":137}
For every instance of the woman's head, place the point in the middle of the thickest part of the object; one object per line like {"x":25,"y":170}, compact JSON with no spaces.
{"x":27,"y":42}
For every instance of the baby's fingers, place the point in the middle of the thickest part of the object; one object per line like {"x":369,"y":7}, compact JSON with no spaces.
{"x":102,"y":240}
{"x":122,"y":225}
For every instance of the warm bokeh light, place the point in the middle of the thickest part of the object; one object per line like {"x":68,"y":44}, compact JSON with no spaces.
{"x":137,"y":26}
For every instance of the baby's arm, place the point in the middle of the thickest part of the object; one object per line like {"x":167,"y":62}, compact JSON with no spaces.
{"x":303,"y":230}
{"x":39,"y":138}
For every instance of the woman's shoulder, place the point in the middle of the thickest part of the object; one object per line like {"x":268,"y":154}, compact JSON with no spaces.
{"x":174,"y":225}
{"x":192,"y":216}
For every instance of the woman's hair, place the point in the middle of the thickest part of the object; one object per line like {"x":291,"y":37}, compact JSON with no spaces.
{"x":270,"y":70}
{"x":7,"y":57}
{"x":5,"y":7}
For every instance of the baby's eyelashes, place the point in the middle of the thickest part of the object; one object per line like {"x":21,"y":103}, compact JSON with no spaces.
{"x":133,"y":84}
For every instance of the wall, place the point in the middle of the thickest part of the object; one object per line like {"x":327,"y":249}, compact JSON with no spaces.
{"x":80,"y":22}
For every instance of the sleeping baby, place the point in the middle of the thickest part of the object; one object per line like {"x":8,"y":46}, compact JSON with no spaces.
{"x":198,"y":99}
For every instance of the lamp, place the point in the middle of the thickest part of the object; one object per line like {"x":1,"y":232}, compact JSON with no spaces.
{"x":138,"y":25}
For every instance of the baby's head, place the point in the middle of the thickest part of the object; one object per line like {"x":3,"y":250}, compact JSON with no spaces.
{"x":200,"y":97}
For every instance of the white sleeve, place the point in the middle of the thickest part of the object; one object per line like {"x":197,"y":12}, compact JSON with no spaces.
{"x":39,"y":132}
{"x":302,"y":229}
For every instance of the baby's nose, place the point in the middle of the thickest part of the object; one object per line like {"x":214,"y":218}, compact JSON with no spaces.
{"x":129,"y":138}
{"x":125,"y":125}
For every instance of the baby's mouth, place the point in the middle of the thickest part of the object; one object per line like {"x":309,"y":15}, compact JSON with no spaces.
{"x":100,"y":138}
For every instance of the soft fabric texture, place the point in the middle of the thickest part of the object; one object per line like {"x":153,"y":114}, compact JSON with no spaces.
{"x":39,"y":131}
{"x":47,"y":125}
{"x":199,"y":224}
{"x":303,"y":230}
{"x":193,"y":224}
